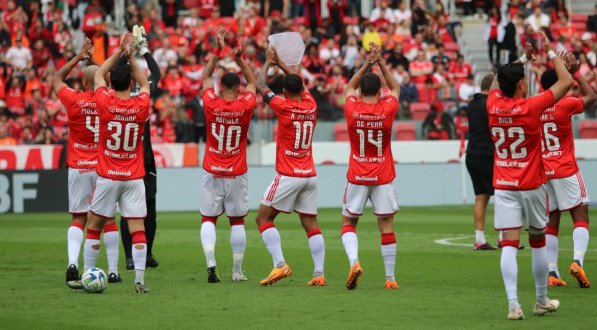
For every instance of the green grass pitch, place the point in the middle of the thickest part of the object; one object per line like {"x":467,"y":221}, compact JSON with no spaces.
{"x":441,"y":286}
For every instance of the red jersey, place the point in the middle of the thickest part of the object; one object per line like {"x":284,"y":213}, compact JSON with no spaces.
{"x":370,"y":132}
{"x":296,"y":124}
{"x":227,"y":127}
{"x":559,"y":159}
{"x":416,"y":65}
{"x":83,"y":126}
{"x":516,"y":133}
{"x":122,"y":123}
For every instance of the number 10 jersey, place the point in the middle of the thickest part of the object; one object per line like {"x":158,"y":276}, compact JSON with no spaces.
{"x":122,"y":123}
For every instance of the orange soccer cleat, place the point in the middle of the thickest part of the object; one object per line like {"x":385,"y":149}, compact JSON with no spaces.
{"x":317,"y":281}
{"x":555,"y":281}
{"x":578,"y":273}
{"x":276,"y":274}
{"x":353,"y":277}
{"x":392,"y":285}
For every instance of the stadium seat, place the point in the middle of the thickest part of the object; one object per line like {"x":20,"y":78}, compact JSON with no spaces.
{"x":419,"y":111}
{"x":451,"y":47}
{"x":328,"y":162}
{"x":587,"y":129}
{"x":341,"y":132}
{"x":579,"y":18}
{"x":405,"y":132}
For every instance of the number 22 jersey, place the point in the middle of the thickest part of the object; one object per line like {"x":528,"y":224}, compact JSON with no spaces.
{"x":122,"y":123}
{"x":517,"y":134}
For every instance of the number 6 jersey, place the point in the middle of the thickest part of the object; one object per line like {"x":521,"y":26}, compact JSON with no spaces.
{"x":122,"y":123}
{"x":227,"y":128}
{"x":517,"y":134}
{"x":370,"y":132}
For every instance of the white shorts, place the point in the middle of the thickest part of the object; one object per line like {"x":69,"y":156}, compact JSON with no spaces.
{"x":224,"y":194}
{"x":81,"y":183}
{"x":287,"y":193}
{"x":524,"y":208}
{"x":567,"y":193}
{"x":382,"y":197}
{"x":130,"y":196}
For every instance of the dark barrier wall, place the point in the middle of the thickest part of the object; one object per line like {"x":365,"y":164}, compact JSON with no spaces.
{"x":33,"y":191}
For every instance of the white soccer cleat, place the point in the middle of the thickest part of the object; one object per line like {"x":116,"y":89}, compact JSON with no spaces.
{"x":550,"y":307}
{"x":239,"y":277}
{"x":515,"y":314}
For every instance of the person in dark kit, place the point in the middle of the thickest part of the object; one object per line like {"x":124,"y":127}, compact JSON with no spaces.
{"x":479,"y":159}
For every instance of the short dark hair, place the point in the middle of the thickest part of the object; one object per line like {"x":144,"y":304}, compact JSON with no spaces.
{"x":508,"y":77}
{"x":370,"y":84}
{"x":230,"y":80}
{"x":548,"y":79}
{"x":121,"y":77}
{"x":277,"y":85}
{"x":293,"y":83}
{"x":487,"y":81}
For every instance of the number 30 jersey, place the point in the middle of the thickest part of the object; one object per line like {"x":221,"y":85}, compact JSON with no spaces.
{"x":227,"y":129}
{"x":517,"y":134}
{"x":370,"y":132}
{"x":83,"y":126}
{"x":122,"y":123}
{"x":296,"y":125}
{"x":559,"y":159}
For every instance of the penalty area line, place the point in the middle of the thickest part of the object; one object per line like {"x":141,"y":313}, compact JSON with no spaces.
{"x":449,"y":241}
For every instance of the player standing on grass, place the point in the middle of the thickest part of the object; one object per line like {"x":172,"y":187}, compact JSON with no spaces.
{"x":565,"y":184}
{"x":83,"y":125}
{"x":224,"y":182}
{"x":518,"y":176}
{"x":120,"y":160}
{"x":295,"y":185}
{"x":371,"y":170}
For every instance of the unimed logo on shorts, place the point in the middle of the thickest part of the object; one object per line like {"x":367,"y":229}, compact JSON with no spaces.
{"x":33,"y":191}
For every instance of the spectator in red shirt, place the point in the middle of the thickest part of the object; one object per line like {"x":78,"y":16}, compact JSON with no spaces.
{"x":311,"y":60}
{"x":174,"y":82}
{"x":491,"y":35}
{"x":151,"y":22}
{"x":421,"y":68}
{"x":206,"y":7}
{"x":460,"y":70}
{"x":15,"y":100}
{"x":93,"y":19}
{"x":312,"y":14}
{"x":566,"y":29}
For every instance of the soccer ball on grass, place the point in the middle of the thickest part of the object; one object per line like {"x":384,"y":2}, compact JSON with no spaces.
{"x":94,"y":280}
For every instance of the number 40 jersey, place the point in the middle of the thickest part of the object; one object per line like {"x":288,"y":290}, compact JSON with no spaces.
{"x":516,"y":131}
{"x":370,"y":132}
{"x":122,"y":123}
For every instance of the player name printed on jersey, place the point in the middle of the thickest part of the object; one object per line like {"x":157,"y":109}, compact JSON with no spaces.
{"x":517,"y":135}
{"x":559,"y":158}
{"x":83,"y":125}
{"x":296,"y":124}
{"x":121,"y":127}
{"x":227,"y":128}
{"x":370,"y":131}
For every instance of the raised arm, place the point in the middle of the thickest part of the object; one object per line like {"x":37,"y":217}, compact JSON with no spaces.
{"x":285,"y":68}
{"x":60,"y":75}
{"x":245,"y":68}
{"x":154,"y":69}
{"x":262,"y":78}
{"x":99,"y":80}
{"x":354,"y":82}
{"x":138,"y":73}
{"x":589,"y":95}
{"x":213,"y":60}
{"x":565,"y":81}
{"x":388,"y":77}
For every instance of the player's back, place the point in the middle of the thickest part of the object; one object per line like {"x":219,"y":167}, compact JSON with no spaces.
{"x":83,"y":126}
{"x":516,"y":133}
{"x":296,"y":125}
{"x":227,"y":127}
{"x":122,"y":123}
{"x":558,"y":149}
{"x":370,"y":132}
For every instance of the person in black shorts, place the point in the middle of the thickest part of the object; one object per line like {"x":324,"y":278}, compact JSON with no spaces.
{"x":479,"y":160}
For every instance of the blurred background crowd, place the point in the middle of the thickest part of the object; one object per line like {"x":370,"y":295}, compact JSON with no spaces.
{"x":420,"y":41}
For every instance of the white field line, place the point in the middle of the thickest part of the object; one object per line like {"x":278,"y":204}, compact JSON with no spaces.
{"x":449,"y":241}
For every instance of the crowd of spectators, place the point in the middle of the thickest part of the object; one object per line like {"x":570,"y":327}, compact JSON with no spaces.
{"x":419,"y":42}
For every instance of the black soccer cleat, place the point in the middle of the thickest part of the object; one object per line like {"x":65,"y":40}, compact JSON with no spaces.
{"x":72,"y":273}
{"x":130,"y":265}
{"x":151,"y":262}
{"x":483,"y":247}
{"x":114,"y":278}
{"x":212,"y":275}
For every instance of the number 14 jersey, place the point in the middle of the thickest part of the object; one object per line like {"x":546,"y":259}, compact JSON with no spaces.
{"x":122,"y":123}
{"x":370,"y":132}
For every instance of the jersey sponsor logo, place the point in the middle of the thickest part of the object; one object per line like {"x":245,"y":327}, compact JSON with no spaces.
{"x":550,"y":173}
{"x":547,"y":117}
{"x":114,"y":109}
{"x":552,"y":154}
{"x":86,"y":104}
{"x":297,"y":154}
{"x":368,"y":159}
{"x":503,"y":182}
{"x":364,"y":178}
{"x":85,"y":146}
{"x":119,"y":156}
{"x":119,"y":173}
{"x":218,"y":112}
{"x":497,"y":110}
{"x":87,"y":170}
{"x":222,"y":169}
{"x":87,"y":163}
{"x":504,"y":163}
{"x":368,"y":117}
{"x":224,"y":152}
{"x":303,"y":171}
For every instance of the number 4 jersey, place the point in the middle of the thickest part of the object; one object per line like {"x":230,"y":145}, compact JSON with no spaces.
{"x":516,"y":132}
{"x":227,"y":128}
{"x":370,"y":132}
{"x":83,"y":126}
{"x":559,"y":159}
{"x":122,"y":123}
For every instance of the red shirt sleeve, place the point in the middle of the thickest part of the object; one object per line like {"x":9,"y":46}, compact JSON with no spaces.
{"x":102,"y":96}
{"x":208,"y":96}
{"x":250,"y":101}
{"x":572,"y":105}
{"x":541,"y":101}
{"x":67,"y":96}
{"x":390,"y":103}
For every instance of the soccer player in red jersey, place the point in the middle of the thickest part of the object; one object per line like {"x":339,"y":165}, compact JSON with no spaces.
{"x":83,"y":124}
{"x":565,"y":184}
{"x":120,"y":159}
{"x":295,"y":185}
{"x":518,"y":175}
{"x":224,"y":182}
{"x":371,"y":171}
